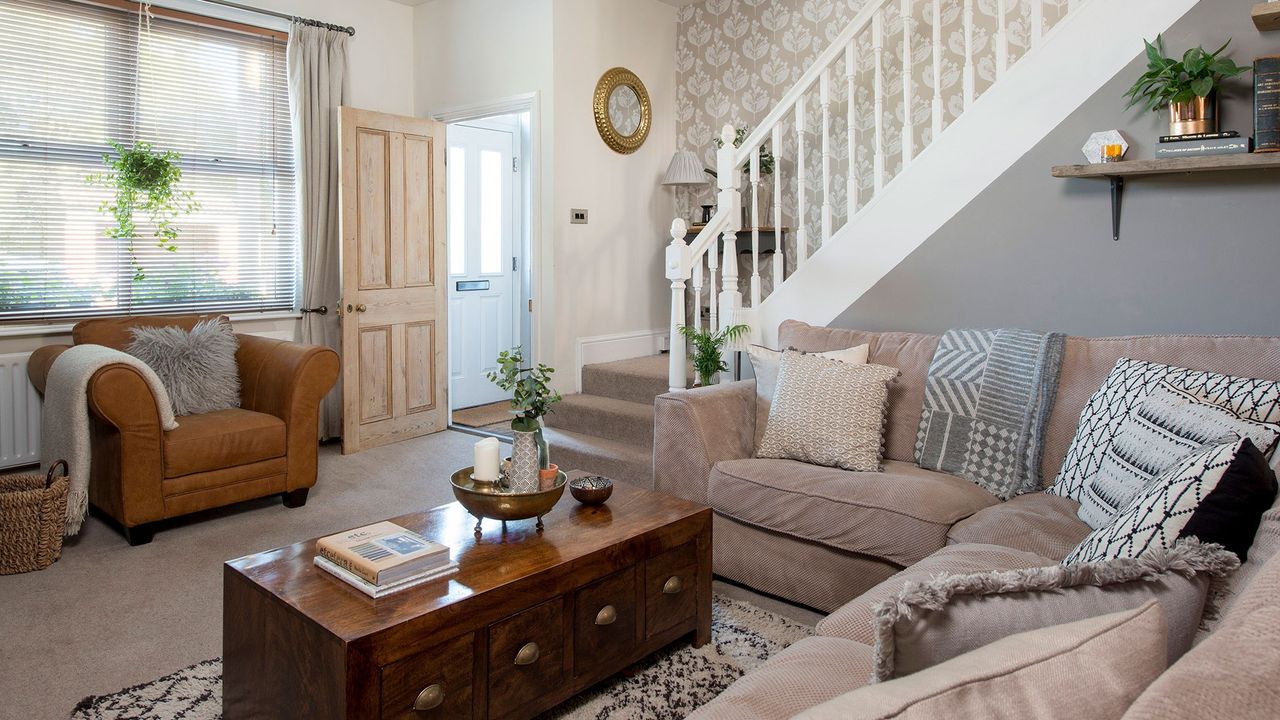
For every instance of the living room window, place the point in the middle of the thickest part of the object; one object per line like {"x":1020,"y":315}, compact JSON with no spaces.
{"x":77,"y":76}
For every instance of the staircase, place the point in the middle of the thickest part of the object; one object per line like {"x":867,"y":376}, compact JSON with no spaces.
{"x":931,"y":106}
{"x":608,"y":427}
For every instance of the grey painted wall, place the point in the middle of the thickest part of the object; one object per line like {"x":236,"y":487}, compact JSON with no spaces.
{"x":1197,"y":253}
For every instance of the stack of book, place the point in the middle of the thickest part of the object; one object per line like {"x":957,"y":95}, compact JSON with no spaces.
{"x":1218,"y":143}
{"x":382,"y":558}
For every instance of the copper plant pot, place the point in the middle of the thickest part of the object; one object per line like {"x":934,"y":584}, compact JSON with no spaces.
{"x":1198,"y":115}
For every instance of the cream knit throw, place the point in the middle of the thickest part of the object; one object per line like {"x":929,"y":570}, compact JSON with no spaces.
{"x":64,"y":422}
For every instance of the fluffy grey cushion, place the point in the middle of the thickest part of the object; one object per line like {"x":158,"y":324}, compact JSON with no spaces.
{"x":198,"y":368}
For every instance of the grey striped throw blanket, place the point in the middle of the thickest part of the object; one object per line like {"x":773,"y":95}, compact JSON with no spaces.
{"x":986,"y":402}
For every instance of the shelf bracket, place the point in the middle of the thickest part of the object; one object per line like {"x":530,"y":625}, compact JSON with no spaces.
{"x":1117,"y":190}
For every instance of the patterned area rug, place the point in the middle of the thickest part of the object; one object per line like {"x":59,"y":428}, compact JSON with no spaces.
{"x":670,"y":684}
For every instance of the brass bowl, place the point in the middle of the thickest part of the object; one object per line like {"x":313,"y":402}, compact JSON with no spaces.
{"x":488,"y":500}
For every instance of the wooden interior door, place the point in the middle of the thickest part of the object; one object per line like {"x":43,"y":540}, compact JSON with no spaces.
{"x":394,"y":324}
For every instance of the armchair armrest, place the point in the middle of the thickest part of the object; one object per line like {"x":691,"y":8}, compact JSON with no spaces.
{"x":695,"y":429}
{"x":39,"y":363}
{"x":128,"y":464}
{"x":288,"y":380}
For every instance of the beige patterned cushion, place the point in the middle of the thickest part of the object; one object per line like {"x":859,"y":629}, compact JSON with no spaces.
{"x":764,"y":365}
{"x":1092,"y":668}
{"x":929,"y":622}
{"x":827,"y":412}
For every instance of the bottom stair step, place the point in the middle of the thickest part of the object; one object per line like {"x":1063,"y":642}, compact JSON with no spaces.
{"x":619,"y":461}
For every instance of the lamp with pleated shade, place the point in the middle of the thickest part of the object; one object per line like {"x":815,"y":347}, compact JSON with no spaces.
{"x":685,"y":169}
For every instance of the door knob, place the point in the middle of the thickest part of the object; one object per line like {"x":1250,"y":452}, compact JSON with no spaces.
{"x":361,"y":307}
{"x":528,"y":654}
{"x":607,"y":615}
{"x":430,"y":698}
{"x":673,"y":585}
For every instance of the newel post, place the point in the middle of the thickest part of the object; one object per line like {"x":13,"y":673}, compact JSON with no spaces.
{"x":677,"y":269}
{"x":728,"y":180}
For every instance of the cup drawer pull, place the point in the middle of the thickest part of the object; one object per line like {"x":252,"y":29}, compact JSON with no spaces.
{"x":673,"y":585}
{"x":528,"y":654}
{"x":607,"y":615}
{"x":429,"y":699}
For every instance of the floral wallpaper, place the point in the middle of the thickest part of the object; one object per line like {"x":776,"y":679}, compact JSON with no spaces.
{"x":736,"y":58}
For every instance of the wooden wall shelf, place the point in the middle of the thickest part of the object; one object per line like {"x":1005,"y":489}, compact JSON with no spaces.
{"x":1116,"y":172}
{"x":1266,"y":15}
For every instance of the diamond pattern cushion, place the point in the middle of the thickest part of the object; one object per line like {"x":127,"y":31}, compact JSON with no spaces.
{"x":1217,"y":495}
{"x":764,"y":364}
{"x":1128,"y":384}
{"x":1165,"y":427}
{"x":828,"y":412}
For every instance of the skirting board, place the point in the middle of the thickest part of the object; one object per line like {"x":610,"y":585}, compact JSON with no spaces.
{"x":619,"y":346}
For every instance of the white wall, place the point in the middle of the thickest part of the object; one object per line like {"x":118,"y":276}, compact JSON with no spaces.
{"x":609,"y":276}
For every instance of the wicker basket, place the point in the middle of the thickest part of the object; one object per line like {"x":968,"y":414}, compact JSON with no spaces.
{"x":33,"y":514}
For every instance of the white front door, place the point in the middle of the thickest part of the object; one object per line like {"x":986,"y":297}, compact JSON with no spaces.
{"x":483,"y":279}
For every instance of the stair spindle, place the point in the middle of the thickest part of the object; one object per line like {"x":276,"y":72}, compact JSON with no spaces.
{"x":970,"y":80}
{"x":755,"y":227}
{"x":779,"y":256}
{"x":937,"y":70}
{"x":851,"y":136}
{"x":802,"y":237}
{"x":697,"y":290}
{"x":824,"y":96}
{"x":908,"y":124}
{"x":877,"y":46}
{"x":1002,"y":39}
{"x":713,"y":264}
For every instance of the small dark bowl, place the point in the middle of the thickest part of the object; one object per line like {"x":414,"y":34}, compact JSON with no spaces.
{"x":591,"y":489}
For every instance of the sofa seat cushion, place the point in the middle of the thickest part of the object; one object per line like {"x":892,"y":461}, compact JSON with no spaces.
{"x":812,"y":671}
{"x":900,"y":515}
{"x":1038,"y":522}
{"x":853,"y":621}
{"x":221,"y":439}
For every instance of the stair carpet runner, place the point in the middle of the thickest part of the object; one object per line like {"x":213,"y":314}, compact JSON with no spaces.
{"x":607,"y":429}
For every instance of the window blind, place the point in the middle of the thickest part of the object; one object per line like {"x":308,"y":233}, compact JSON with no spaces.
{"x":76,"y":76}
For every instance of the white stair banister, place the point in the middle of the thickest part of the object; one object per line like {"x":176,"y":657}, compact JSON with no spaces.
{"x":698,"y":263}
{"x":877,"y":48}
{"x":908,"y":123}
{"x":779,"y":256}
{"x":677,"y":264}
{"x":755,"y":227}
{"x":824,"y":98}
{"x":802,"y":236}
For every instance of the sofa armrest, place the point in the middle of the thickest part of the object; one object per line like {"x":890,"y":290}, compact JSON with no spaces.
{"x":695,"y":429}
{"x":128,"y":462}
{"x":39,"y":363}
{"x":288,"y":380}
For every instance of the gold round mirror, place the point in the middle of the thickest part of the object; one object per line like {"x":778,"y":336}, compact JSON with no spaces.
{"x":621,"y":106}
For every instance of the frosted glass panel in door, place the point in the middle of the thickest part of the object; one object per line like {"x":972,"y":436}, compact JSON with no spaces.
{"x":495,"y":212}
{"x":457,"y":211}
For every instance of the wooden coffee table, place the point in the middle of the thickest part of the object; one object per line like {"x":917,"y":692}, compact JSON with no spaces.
{"x":529,"y":620}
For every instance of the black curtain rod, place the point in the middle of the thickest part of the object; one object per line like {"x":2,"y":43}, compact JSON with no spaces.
{"x":292,"y":18}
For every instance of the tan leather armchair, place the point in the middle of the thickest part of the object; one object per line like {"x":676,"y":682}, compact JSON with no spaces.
{"x":142,"y":474}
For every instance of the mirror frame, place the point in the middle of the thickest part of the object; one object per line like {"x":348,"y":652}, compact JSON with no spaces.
{"x":610,"y":81}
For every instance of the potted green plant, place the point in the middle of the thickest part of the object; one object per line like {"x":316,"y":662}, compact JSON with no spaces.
{"x":1188,"y":87}
{"x":531,"y":399}
{"x":765,"y":190}
{"x":144,"y":179}
{"x":708,"y":349}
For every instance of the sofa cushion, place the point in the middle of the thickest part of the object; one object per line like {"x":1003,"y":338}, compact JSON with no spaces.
{"x":222,"y":439}
{"x":117,"y":332}
{"x":1266,"y":545}
{"x":809,"y":672}
{"x":197,"y":366}
{"x":949,"y":615}
{"x":1235,"y":672}
{"x":828,"y":412}
{"x":764,"y":365}
{"x":1039,"y":523}
{"x":1091,"y":668}
{"x":855,"y":620}
{"x":901,"y":515}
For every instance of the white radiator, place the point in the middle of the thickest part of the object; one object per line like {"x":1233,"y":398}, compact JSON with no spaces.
{"x":19,"y":413}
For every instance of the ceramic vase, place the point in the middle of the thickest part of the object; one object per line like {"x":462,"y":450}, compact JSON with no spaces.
{"x":524,"y":461}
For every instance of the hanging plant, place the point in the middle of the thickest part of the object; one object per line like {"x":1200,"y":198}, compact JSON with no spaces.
{"x":144,"y":180}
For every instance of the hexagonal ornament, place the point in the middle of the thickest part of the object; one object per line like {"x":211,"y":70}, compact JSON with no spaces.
{"x":1093,"y":147}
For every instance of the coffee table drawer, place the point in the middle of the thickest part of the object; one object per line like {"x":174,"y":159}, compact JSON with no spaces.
{"x":434,"y":683}
{"x":526,"y":657}
{"x":670,"y":588}
{"x":604,"y":621}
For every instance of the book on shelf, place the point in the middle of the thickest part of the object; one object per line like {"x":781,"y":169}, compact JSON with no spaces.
{"x":1199,"y":136}
{"x":377,"y":591}
{"x":1266,"y":104}
{"x":1225,"y":146}
{"x":382,"y":553}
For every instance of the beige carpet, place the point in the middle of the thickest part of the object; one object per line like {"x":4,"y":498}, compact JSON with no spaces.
{"x":498,"y":413}
{"x":107,"y":616}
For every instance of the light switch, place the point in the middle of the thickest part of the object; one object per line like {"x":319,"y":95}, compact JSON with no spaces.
{"x":577,"y":216}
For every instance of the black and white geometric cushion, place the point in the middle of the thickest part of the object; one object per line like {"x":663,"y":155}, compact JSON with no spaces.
{"x":1165,"y":427}
{"x":1128,"y":384}
{"x":1217,"y":494}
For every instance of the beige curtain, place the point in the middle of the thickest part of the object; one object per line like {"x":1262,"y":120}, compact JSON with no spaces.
{"x":318,"y":84}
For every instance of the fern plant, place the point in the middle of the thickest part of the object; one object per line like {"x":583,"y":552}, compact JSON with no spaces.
{"x":708,"y":349}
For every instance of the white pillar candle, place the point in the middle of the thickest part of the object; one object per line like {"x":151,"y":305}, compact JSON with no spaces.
{"x":488,"y":455}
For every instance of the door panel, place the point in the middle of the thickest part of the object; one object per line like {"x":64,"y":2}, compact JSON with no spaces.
{"x":393,"y":307}
{"x":483,"y":285}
